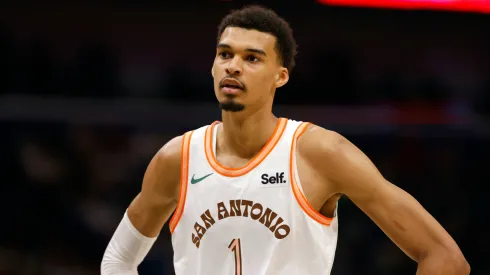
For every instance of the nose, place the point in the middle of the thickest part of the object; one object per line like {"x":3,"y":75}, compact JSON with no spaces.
{"x":234,"y":66}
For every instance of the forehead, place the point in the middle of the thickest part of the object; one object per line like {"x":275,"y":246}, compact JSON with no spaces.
{"x":240,"y":38}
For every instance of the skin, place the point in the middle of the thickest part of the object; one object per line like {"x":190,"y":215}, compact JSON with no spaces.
{"x":328,"y":164}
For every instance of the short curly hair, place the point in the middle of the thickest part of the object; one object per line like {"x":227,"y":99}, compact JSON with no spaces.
{"x":262,"y":19}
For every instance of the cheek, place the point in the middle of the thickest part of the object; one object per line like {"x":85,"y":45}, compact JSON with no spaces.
{"x":261,"y":85}
{"x":216,"y":77}
{"x":265,"y":82}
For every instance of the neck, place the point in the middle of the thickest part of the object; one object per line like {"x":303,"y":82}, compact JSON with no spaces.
{"x":245,"y":134}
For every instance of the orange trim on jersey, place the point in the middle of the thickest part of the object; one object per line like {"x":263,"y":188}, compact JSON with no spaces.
{"x":254,"y":162}
{"x":298,"y":194}
{"x":184,"y":176}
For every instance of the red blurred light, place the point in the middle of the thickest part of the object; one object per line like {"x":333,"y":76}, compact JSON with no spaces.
{"x":482,"y":6}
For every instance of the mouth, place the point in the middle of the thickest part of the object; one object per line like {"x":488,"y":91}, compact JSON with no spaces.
{"x":231,"y":90}
{"x":231,"y":86}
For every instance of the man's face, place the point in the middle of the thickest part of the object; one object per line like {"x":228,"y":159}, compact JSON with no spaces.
{"x":246,"y":69}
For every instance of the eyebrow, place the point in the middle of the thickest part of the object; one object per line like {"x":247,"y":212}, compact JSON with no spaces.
{"x":226,"y":46}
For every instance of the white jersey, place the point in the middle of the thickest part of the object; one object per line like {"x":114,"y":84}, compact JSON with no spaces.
{"x":252,"y":220}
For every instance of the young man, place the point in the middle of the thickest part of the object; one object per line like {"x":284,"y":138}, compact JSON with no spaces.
{"x":257,"y":194}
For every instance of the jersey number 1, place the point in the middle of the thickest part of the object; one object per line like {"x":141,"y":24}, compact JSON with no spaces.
{"x":236,"y":247}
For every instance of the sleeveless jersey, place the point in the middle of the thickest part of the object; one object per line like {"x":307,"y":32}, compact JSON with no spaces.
{"x":251,"y":220}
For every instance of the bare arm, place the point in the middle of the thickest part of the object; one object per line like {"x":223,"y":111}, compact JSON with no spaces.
{"x":349,"y":171}
{"x":152,"y":207}
{"x":147,"y":213}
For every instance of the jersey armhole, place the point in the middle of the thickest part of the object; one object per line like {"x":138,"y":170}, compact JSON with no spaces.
{"x":184,"y":175}
{"x":296,"y":184}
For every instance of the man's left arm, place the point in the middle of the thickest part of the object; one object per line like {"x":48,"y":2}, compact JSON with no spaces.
{"x":400,"y":216}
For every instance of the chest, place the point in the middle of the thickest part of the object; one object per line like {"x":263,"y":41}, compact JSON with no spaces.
{"x":316,"y":191}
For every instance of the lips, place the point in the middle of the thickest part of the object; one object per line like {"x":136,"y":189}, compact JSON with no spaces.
{"x":231,"y":83}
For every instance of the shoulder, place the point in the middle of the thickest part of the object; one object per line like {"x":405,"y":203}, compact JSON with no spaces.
{"x":171,"y":151}
{"x":163,"y":171}
{"x":329,"y":153}
{"x":318,"y":143}
{"x":167,"y":160}
{"x":336,"y":159}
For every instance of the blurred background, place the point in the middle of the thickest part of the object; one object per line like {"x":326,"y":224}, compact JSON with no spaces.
{"x":91,"y":90}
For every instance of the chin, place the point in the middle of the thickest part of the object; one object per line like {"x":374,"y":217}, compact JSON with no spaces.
{"x":231,"y":106}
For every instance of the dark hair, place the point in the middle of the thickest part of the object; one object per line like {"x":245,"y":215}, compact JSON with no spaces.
{"x":258,"y":18}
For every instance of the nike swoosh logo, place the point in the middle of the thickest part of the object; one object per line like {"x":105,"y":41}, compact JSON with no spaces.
{"x":194,"y":181}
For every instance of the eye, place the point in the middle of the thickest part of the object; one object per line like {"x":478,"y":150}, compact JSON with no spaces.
{"x":224,"y":55}
{"x":252,"y":59}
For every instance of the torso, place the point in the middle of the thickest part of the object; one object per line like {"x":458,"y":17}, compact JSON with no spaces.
{"x":283,"y":231}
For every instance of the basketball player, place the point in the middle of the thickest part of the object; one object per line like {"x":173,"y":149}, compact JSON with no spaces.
{"x":257,"y":194}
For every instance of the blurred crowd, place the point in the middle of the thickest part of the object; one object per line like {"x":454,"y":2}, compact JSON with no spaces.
{"x":359,"y":57}
{"x":66,"y":185}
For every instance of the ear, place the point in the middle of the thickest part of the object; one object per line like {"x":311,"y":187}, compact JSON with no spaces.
{"x":212,"y":71}
{"x":282,"y":77}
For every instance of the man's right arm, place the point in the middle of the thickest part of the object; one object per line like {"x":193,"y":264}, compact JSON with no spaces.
{"x":147,"y":213}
